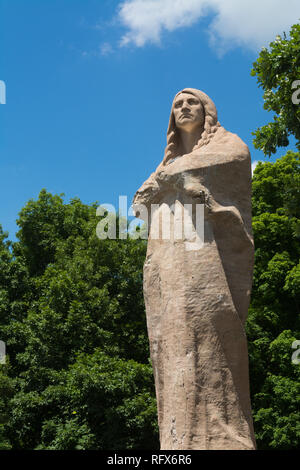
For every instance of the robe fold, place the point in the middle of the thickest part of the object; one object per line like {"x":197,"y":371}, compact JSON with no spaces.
{"x":197,"y":299}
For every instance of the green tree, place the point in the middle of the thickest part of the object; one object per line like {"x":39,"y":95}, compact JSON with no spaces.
{"x":274,"y":316}
{"x":73,"y":319}
{"x":277,"y":70}
{"x":6,"y":393}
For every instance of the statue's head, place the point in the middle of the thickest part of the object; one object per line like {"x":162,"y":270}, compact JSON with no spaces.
{"x":192,"y":111}
{"x":188,"y":112}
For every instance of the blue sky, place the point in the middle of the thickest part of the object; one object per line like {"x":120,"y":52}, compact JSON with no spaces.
{"x":90,"y":84}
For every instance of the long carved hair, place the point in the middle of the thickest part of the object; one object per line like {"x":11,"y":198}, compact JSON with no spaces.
{"x":211,"y":125}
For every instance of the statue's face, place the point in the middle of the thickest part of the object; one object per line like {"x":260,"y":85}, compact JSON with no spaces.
{"x":188,"y":112}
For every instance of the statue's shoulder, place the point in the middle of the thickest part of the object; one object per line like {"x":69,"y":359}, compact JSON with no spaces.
{"x":230,"y":143}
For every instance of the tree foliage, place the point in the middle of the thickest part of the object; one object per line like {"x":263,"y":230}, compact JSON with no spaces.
{"x":274,"y":317}
{"x":78,"y":374}
{"x":72,"y":317}
{"x":278,"y":70}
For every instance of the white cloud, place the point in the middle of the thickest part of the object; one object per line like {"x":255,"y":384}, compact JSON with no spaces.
{"x":248,"y":23}
{"x":106,"y":48}
{"x":254,"y":165}
{"x":102,"y":50}
{"x":146,"y":19}
{"x":253,"y":23}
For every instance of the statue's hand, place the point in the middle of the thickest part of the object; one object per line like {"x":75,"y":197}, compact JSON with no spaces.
{"x":193,"y":187}
{"x":147,"y":192}
{"x":183,"y":182}
{"x":165,"y":178}
{"x":199,"y":195}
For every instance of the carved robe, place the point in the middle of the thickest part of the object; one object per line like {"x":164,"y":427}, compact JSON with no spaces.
{"x":197,"y":300}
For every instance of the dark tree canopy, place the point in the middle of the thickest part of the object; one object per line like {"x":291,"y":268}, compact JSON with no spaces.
{"x":72,"y":317}
{"x":277,"y":70}
{"x":274,"y":316}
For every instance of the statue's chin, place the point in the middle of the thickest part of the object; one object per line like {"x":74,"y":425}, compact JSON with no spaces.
{"x":190,"y":125}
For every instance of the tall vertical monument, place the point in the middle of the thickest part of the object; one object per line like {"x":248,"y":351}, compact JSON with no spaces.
{"x":197,"y":295}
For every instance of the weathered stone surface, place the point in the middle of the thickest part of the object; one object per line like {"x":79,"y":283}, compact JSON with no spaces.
{"x":197,"y":299}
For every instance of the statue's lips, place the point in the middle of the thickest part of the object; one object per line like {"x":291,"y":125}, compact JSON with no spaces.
{"x":185,"y":116}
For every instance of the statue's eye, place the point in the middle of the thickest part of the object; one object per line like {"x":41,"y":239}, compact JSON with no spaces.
{"x":178,"y":104}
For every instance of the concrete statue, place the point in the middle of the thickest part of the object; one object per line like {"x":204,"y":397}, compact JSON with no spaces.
{"x":197,"y":299}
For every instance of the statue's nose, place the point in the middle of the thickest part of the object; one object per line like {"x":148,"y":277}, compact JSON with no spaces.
{"x":185,"y":107}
